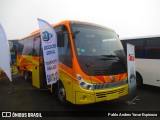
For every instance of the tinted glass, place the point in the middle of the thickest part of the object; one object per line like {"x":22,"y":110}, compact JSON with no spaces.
{"x":65,"y":52}
{"x":99,"y":51}
{"x":147,"y":48}
{"x":93,"y":40}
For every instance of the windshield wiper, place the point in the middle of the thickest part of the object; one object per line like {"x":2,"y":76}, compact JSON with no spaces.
{"x":104,"y":59}
{"x":111,"y":57}
{"x":75,"y":33}
{"x":115,"y":58}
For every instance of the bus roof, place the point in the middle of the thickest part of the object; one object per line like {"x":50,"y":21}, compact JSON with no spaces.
{"x":140,"y":37}
{"x":37,"y":31}
{"x":64,"y":22}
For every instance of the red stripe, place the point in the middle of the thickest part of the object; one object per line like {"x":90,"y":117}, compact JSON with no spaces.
{"x":101,"y":78}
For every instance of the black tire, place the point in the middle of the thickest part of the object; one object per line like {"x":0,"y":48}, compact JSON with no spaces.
{"x":18,"y":68}
{"x":61,"y":93}
{"x":27,"y":75}
{"x":139,"y":80}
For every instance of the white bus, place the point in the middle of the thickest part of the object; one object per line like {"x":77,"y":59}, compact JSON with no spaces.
{"x":147,"y":54}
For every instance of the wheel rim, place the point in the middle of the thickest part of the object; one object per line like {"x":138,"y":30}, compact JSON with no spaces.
{"x":26,"y":75}
{"x":62,"y":94}
{"x":138,"y":81}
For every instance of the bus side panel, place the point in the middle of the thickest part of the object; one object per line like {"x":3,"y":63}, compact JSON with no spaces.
{"x":67,"y":79}
{"x":35,"y":76}
{"x":35,"y":72}
{"x":24,"y":54}
{"x":148,"y":69}
{"x":24,"y":62}
{"x":38,"y":72}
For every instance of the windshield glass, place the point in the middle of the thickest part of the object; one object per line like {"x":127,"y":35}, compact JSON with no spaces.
{"x":99,"y":48}
{"x":93,"y":40}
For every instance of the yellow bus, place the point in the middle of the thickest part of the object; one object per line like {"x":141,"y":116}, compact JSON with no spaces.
{"x":92,"y":63}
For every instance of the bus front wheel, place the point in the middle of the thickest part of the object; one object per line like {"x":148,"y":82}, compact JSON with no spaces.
{"x":61,"y":93}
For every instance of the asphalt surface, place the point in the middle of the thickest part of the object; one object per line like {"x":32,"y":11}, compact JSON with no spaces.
{"x":28,"y":98}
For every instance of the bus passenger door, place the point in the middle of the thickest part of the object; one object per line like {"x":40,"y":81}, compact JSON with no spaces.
{"x":36,"y":63}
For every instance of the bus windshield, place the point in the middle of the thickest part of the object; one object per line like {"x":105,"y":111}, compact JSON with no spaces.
{"x":99,"y":48}
{"x":93,"y":41}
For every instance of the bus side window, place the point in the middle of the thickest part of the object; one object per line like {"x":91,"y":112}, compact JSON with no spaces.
{"x":152,"y":48}
{"x":20,"y":47}
{"x":25,"y":46}
{"x":65,"y":52}
{"x":36,"y":45}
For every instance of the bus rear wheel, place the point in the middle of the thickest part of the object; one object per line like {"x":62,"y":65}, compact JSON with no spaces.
{"x":139,"y":80}
{"x":27,"y":75}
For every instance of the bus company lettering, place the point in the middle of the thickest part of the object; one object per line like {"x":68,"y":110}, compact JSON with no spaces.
{"x":36,"y":38}
{"x":131,"y":57}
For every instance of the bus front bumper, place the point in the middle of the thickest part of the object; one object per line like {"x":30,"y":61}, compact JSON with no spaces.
{"x":101,"y":95}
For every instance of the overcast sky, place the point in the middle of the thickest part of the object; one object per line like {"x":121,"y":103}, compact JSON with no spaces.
{"x":129,"y":18}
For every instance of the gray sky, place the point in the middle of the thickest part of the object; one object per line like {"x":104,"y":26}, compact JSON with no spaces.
{"x":129,"y":18}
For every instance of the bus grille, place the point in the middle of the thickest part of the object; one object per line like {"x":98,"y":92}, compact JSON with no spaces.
{"x":110,"y":85}
{"x":116,"y":91}
{"x":104,"y":94}
{"x":101,"y":94}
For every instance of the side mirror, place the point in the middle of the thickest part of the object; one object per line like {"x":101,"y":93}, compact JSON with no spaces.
{"x":60,"y":39}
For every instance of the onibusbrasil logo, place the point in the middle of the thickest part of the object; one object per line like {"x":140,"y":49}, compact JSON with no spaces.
{"x":47,"y":37}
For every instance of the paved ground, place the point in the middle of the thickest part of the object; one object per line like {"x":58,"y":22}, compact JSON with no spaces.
{"x":28,"y":98}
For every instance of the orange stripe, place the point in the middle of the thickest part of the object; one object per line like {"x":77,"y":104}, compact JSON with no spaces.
{"x":73,"y":79}
{"x":101,"y":78}
{"x":107,"y":78}
{"x":36,"y":58}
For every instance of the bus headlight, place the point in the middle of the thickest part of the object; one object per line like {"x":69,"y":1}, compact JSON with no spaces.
{"x":84,"y":84}
{"x":99,"y":86}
